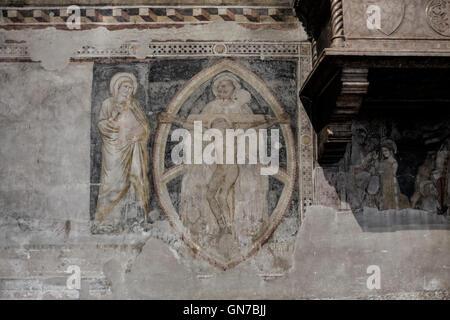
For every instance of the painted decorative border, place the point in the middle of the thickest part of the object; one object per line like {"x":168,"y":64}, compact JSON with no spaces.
{"x":142,"y":15}
{"x":225,"y":49}
{"x":171,"y":49}
{"x":306,"y":138}
{"x":14,"y":51}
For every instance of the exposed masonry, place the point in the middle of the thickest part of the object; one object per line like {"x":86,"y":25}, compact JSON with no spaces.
{"x":138,"y":15}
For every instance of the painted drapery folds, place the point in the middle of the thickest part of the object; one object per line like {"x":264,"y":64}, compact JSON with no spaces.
{"x":124,"y":130}
{"x":224,"y":211}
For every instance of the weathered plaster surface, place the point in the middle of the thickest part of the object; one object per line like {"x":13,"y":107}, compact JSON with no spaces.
{"x":45,"y":131}
{"x":331,"y":257}
{"x":45,"y":120}
{"x":55,"y":47}
{"x":45,"y":134}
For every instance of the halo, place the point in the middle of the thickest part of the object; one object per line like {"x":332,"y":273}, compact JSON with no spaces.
{"x":423,"y":184}
{"x":361,"y":127}
{"x":120,"y":77}
{"x":390,"y":144}
{"x":226,"y":76}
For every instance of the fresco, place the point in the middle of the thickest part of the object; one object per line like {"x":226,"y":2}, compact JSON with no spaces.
{"x":226,"y":208}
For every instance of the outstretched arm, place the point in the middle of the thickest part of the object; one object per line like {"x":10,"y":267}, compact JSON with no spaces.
{"x":173,"y":119}
{"x":268,"y":122}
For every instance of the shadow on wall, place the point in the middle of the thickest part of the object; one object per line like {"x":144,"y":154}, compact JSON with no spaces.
{"x":395,"y":175}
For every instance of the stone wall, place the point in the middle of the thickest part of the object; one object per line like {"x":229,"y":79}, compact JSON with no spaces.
{"x":299,"y":234}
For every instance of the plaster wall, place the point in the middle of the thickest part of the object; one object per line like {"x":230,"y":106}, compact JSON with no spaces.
{"x":49,"y":104}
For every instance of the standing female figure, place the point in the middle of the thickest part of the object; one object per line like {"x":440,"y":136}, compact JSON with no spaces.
{"x":124,"y":187}
{"x":391,"y":195}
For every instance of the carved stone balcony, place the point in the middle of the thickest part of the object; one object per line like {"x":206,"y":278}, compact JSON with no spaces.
{"x":388,"y":57}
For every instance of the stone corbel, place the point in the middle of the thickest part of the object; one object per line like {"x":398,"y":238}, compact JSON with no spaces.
{"x":335,"y":136}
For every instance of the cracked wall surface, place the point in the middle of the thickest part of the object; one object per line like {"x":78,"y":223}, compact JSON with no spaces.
{"x":317,"y":239}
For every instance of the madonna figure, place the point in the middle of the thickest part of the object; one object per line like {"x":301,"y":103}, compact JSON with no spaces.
{"x":124,"y":186}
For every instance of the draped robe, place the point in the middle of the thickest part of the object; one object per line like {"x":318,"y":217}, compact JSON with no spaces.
{"x":124,"y":164}
{"x":391,"y":195}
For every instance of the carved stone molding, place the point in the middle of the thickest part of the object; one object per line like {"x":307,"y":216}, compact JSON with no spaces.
{"x":334,"y":137}
{"x":438,"y":16}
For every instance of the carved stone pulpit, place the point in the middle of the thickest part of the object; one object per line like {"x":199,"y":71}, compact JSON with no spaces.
{"x":377,"y":57}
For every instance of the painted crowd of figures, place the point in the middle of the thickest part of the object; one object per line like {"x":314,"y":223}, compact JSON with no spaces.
{"x":371,"y":171}
{"x":433,"y":182}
